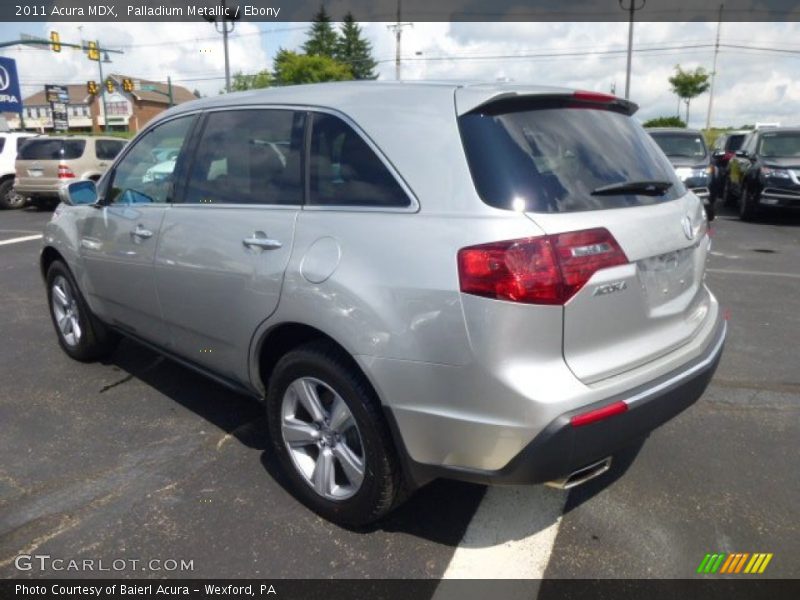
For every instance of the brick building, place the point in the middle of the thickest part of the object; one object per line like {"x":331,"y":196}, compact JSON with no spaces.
{"x":127,"y":111}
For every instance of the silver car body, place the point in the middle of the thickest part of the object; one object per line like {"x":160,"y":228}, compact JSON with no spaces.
{"x":469,"y":381}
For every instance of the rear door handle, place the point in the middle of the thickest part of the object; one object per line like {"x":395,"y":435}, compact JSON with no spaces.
{"x":259,"y":239}
{"x":141,"y":233}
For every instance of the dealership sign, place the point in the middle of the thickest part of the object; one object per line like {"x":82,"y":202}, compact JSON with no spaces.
{"x":10,"y":99}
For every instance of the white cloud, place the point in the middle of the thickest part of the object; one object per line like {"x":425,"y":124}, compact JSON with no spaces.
{"x":751,"y":86}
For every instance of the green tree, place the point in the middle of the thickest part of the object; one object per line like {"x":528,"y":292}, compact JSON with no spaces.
{"x":665,"y":122}
{"x":242,"y":82}
{"x":689,"y":84}
{"x":354,"y":50}
{"x":291,"y":68}
{"x":322,"y":39}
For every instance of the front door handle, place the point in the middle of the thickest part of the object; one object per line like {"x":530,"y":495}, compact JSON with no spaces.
{"x":141,"y":233}
{"x":259,"y":239}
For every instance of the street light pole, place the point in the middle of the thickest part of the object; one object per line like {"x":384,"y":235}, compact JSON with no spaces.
{"x":631,"y":8}
{"x":713,"y":72}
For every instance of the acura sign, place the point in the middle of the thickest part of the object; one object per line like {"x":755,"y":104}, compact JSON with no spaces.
{"x":10,"y":100}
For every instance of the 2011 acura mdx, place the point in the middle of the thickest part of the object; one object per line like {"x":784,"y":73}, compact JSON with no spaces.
{"x":488,"y":282}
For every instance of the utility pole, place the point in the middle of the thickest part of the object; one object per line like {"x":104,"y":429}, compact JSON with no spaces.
{"x":221,"y":25}
{"x":631,"y":8}
{"x":713,"y":71}
{"x":398,"y":35}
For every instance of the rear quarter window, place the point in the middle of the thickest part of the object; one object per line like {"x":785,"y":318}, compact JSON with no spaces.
{"x":550,"y":157}
{"x":107,"y":149}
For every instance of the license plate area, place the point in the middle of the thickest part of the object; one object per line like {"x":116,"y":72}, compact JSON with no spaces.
{"x":667,"y":276}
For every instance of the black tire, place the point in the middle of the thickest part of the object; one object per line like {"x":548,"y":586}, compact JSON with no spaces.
{"x":95,"y":339}
{"x":8,"y":199}
{"x":381,"y":488}
{"x":711,"y":212}
{"x":748,"y":205}
{"x":727,"y":196}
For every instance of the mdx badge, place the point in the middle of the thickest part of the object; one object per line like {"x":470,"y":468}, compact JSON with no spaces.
{"x":609,"y":288}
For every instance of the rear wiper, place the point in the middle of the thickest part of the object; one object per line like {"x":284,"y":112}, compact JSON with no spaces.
{"x":646,"y":188}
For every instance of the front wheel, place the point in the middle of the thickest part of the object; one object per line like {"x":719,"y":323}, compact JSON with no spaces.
{"x":81,"y":335}
{"x":748,"y":205}
{"x":330,"y":438}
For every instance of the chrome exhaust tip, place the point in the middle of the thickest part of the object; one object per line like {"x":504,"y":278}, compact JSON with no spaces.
{"x":582,"y":475}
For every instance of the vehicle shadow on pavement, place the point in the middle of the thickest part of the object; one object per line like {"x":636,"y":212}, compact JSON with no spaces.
{"x":439,"y":512}
{"x":789,"y":218}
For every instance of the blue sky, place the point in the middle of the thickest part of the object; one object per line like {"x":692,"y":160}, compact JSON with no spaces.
{"x":752,"y":85}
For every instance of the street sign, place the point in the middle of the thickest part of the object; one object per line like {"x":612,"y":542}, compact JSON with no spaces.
{"x":25,"y":37}
{"x":10,"y":98}
{"x":58,"y":97}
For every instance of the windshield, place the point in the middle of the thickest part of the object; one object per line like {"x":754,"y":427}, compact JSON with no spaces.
{"x":780,"y":144}
{"x":52,"y":149}
{"x":551,"y":159}
{"x":734,"y":142}
{"x":681,"y":145}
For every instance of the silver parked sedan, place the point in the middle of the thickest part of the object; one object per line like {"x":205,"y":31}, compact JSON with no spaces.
{"x":495,"y":283}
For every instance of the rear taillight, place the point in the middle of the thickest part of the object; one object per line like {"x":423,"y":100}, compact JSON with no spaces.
{"x":540,"y":270}
{"x":64,"y":172}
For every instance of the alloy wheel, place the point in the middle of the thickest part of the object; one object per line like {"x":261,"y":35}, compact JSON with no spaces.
{"x":65,"y":310}
{"x":322,"y":438}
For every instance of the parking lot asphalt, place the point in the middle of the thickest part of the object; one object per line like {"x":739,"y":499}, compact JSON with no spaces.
{"x":140,"y":458}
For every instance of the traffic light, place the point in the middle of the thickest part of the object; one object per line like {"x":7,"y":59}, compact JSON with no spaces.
{"x":110,"y":85}
{"x":93,"y":51}
{"x":127,"y":85}
{"x":55,"y":41}
{"x":91,"y":88}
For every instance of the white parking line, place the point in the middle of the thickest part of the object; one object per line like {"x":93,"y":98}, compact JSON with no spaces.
{"x":511,"y":535}
{"x":26,"y":238}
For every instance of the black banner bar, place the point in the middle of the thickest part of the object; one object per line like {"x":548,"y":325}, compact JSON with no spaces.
{"x":734,"y":588}
{"x":387,"y":10}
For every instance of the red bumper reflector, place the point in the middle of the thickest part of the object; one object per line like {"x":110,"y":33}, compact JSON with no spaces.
{"x":598,"y":414}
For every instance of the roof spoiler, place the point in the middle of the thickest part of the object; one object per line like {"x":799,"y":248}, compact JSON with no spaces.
{"x":471,"y":100}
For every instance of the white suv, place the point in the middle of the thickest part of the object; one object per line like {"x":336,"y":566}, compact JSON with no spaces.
{"x":10,"y":143}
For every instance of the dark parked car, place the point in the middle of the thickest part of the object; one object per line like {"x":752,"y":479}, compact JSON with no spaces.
{"x":686,"y":150}
{"x":765,"y":172}
{"x":722,"y":151}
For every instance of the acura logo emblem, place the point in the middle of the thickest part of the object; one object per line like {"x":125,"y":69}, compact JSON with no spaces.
{"x":686,"y":223}
{"x":5,"y":79}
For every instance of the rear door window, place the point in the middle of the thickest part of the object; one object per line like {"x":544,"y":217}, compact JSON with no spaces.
{"x":249,"y":157}
{"x":345,"y":171}
{"x":52,"y":149}
{"x":548,"y":157}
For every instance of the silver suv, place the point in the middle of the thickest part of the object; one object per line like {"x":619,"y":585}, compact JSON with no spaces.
{"x":494,"y":283}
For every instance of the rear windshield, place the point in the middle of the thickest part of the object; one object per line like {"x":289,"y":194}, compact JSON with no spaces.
{"x":550,"y":159}
{"x":681,"y":145}
{"x":779,"y":145}
{"x":52,"y":149}
{"x":734,"y":142}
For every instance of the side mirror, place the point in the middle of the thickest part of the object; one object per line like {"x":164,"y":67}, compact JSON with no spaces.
{"x":79,"y":193}
{"x":742,"y":154}
{"x":718,"y":153}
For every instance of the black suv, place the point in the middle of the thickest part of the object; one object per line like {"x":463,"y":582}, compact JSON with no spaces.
{"x":725,"y":146}
{"x":686,"y":150}
{"x":765,"y":172}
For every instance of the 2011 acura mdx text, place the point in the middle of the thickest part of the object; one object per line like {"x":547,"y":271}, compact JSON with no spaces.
{"x":489,"y":282}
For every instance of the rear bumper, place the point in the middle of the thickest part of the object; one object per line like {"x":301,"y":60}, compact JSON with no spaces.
{"x":561,"y":449}
{"x":43,"y":188}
